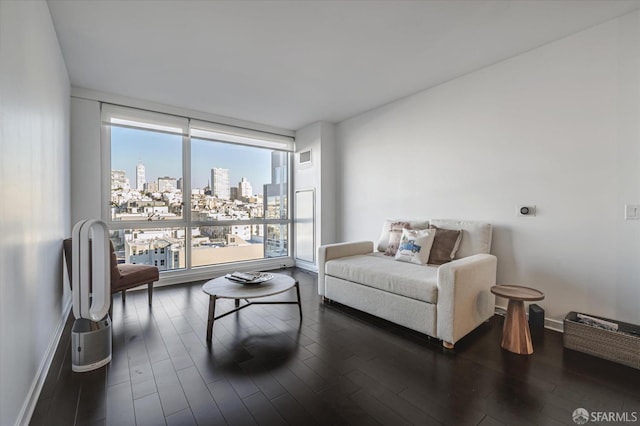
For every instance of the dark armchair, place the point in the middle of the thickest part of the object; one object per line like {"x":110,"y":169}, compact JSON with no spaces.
{"x":124,"y":276}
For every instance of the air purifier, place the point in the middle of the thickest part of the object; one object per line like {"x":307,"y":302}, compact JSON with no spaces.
{"x":91,"y":280}
{"x":536,"y":319}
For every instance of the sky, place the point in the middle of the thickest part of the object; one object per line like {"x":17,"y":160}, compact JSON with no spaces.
{"x":161,"y":155}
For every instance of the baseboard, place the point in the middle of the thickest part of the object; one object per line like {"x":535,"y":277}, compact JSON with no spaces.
{"x":554,"y":325}
{"x":307,"y":266}
{"x":500,"y":310}
{"x":207,"y":273}
{"x":24,"y":417}
{"x":551,"y":324}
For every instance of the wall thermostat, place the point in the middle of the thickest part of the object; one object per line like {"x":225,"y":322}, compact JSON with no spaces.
{"x":526,"y":210}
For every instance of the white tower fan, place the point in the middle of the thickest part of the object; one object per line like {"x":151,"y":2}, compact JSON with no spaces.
{"x":91,"y":279}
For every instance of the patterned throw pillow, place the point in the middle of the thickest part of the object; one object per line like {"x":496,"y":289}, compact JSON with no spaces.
{"x":415,"y":245}
{"x":395,"y":233}
{"x":383,"y":239}
{"x":445,"y":245}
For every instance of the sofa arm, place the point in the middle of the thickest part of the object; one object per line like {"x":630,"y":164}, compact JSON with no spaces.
{"x":464,"y":297}
{"x":334,"y":251}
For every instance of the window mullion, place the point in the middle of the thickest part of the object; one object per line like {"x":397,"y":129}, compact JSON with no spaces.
{"x":105,"y":184}
{"x":186,"y":196}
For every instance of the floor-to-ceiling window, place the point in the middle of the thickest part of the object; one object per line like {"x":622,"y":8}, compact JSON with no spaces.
{"x":184,"y":194}
{"x":240,"y":188}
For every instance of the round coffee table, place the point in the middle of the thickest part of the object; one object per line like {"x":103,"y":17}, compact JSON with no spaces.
{"x":223,"y":288}
{"x":516,"y":336}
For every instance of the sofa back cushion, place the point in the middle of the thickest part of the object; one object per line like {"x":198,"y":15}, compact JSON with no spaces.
{"x":476,"y":236}
{"x":383,"y":241}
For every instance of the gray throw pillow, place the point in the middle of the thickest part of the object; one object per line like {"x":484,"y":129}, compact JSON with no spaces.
{"x":445,"y":245}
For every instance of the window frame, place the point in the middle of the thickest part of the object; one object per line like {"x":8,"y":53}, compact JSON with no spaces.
{"x":158,"y":122}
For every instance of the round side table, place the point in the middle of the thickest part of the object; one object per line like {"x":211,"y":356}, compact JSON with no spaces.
{"x":516,"y":336}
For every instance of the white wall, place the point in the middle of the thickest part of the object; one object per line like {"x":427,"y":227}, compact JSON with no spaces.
{"x":558,"y":127}
{"x":320,"y":176}
{"x":35,"y":211}
{"x":86,"y":163}
{"x":328,"y":184}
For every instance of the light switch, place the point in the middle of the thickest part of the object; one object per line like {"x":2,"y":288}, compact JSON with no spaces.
{"x":632,"y":211}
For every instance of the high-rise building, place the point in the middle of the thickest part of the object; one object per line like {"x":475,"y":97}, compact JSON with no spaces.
{"x":276,"y":205}
{"x":151,"y":187}
{"x":220,"y":183}
{"x":244,"y":188}
{"x":167,"y":184}
{"x":119,"y":180}
{"x":140,"y":178}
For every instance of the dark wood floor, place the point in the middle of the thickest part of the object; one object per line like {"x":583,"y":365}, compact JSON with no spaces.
{"x":336,"y":367}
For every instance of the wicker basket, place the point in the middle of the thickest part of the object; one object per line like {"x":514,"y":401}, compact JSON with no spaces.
{"x":611,"y":345}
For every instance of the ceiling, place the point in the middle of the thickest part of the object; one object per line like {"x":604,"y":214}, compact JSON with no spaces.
{"x":290,"y":63}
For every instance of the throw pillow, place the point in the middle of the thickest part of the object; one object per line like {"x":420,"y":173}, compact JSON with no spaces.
{"x":383,"y":240}
{"x":445,"y":245}
{"x":415,"y":245}
{"x":395,"y":233}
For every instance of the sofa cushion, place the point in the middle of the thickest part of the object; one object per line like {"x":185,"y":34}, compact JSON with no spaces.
{"x":476,"y":236}
{"x":130,"y":274}
{"x":384,"y":273}
{"x":445,"y":245}
{"x":415,"y":245}
{"x":383,"y":241}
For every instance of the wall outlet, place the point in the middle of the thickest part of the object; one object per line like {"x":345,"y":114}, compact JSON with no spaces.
{"x":632,"y":211}
{"x":526,"y":210}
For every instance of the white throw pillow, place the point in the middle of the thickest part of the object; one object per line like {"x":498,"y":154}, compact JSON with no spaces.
{"x":415,"y":245}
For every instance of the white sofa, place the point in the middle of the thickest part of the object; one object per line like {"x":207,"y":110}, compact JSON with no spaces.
{"x":446,"y":302}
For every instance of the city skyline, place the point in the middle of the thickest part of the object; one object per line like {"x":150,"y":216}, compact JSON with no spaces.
{"x":161,"y":155}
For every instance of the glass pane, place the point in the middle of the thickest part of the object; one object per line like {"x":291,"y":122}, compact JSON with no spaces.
{"x":277,"y":242}
{"x":146,"y":175}
{"x":161,"y":247}
{"x":276,"y":192}
{"x":235,"y":182}
{"x":211,"y":245}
